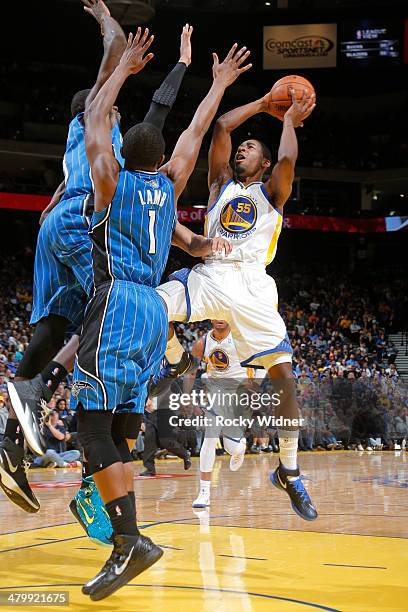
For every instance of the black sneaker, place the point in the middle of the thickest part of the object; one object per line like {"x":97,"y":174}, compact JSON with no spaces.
{"x":13,"y":477}
{"x":301,"y":502}
{"x":29,"y":399}
{"x":187,"y":461}
{"x":169,"y":372}
{"x":130,"y":557}
{"x":147,"y":474}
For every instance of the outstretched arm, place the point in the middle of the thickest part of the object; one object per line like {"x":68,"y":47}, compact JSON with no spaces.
{"x":114,"y":43}
{"x":185,"y":154}
{"x":105,"y":169}
{"x":219,"y":169}
{"x":58,"y":193}
{"x":196,"y":245}
{"x":279,"y":185}
{"x":165,"y":96}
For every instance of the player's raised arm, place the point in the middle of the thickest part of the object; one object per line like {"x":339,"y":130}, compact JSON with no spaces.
{"x":199,"y":246}
{"x":185,"y":154}
{"x":279,"y":185}
{"x":105,"y":168}
{"x":114,"y":43}
{"x":219,"y":169}
{"x":165,"y":96}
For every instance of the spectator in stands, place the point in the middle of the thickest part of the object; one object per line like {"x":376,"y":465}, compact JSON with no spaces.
{"x":56,"y":437}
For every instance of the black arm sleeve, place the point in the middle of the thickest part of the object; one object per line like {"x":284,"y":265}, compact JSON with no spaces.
{"x":164,"y":97}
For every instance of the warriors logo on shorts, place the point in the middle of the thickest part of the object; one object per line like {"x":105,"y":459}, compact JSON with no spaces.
{"x":219,"y":360}
{"x":238,"y":217}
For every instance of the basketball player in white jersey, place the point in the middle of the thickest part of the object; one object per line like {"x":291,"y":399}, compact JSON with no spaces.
{"x":217,"y":349}
{"x":248,"y":212}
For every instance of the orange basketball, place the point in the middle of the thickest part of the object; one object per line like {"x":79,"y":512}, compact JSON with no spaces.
{"x":279,"y":96}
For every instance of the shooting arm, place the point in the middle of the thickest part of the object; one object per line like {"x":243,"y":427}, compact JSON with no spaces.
{"x":59,"y":192}
{"x":219,"y":154}
{"x":279,"y":185}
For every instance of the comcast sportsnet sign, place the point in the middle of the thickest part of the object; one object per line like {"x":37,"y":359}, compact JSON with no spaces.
{"x":300,"y":46}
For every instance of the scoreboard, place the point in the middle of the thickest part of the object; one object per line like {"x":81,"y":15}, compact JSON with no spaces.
{"x":370,"y":43}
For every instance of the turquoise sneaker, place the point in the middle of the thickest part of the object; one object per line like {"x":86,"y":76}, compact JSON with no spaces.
{"x":88,"y":509}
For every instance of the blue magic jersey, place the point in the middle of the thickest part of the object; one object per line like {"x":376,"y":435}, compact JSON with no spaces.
{"x":132,"y":236}
{"x":77,"y":172}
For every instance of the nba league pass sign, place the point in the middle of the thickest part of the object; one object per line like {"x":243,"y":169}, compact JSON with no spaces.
{"x":311,"y":45}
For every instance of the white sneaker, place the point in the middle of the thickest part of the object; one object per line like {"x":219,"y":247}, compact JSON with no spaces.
{"x":369,"y":448}
{"x":202,"y":501}
{"x":360,"y":447}
{"x":397,"y":446}
{"x":236,"y":461}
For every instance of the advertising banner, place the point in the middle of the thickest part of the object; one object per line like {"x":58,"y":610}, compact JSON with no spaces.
{"x":311,"y":45}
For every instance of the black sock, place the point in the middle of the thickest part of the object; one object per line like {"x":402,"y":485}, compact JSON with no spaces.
{"x":53,"y":374}
{"x":132,"y":499}
{"x":11,"y":429}
{"x":122,"y":515}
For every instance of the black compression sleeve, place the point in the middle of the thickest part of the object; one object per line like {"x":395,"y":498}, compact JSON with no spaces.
{"x":164,"y":97}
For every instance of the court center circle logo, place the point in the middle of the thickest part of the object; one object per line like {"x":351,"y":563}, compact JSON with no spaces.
{"x":219,"y":360}
{"x":238,"y":217}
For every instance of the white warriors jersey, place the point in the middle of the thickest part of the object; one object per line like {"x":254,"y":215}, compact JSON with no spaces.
{"x":246,"y":217}
{"x":222,"y":359}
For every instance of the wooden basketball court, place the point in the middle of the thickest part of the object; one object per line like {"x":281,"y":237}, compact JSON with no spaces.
{"x":249,"y":552}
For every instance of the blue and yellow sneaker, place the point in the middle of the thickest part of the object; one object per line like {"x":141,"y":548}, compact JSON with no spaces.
{"x":168,"y":372}
{"x":290,"y":481}
{"x":88,"y":509}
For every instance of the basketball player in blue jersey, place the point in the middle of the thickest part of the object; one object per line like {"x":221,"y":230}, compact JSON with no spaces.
{"x":125,"y":328}
{"x":60,"y":277}
{"x":248,"y":211}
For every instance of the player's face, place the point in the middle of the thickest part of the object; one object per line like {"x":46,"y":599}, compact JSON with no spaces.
{"x":219,"y":325}
{"x":248,"y":158}
{"x":114,"y":116}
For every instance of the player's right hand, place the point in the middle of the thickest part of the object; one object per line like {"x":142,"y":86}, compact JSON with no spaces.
{"x":134,"y":59}
{"x":230,"y":69}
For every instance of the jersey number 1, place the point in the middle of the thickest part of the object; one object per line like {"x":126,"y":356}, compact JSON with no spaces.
{"x":152,"y":237}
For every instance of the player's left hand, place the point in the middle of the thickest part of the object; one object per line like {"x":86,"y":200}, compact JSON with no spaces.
{"x":185,"y":45}
{"x":134,"y":58}
{"x":220,"y":246}
{"x":300,"y":109}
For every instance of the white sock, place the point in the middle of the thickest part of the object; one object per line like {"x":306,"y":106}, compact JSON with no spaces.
{"x":205,"y":486}
{"x":174,"y":350}
{"x":288,"y":445}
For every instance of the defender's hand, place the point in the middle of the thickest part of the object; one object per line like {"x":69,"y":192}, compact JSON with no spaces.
{"x":300,"y":109}
{"x":185,"y":45}
{"x":230,"y":69}
{"x":220,"y":246}
{"x":134,"y":59}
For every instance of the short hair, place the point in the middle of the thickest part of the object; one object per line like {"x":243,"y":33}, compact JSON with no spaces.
{"x":143,"y":146}
{"x":266,"y":152}
{"x":78,"y":102}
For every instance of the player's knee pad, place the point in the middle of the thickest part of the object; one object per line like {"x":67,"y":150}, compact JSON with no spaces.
{"x":119,"y":434}
{"x":207,"y":454}
{"x":133,"y":425}
{"x":94,"y":433}
{"x":234,"y":447}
